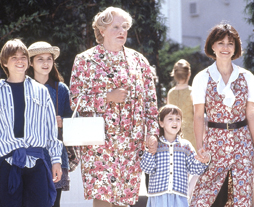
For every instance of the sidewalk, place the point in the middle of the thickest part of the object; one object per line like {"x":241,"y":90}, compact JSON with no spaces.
{"x":75,"y":197}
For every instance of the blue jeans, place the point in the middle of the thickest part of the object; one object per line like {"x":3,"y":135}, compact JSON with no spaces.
{"x":33,"y":190}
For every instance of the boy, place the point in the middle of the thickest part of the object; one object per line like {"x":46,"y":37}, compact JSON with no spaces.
{"x":27,"y":125}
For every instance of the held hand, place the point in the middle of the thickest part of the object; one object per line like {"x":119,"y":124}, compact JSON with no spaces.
{"x":59,"y":121}
{"x":201,"y":152}
{"x":118,"y":95}
{"x":152,"y":144}
{"x":202,"y":156}
{"x":56,"y":172}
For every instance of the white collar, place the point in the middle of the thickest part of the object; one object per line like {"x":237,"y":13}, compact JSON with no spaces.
{"x":222,"y":89}
{"x":216,"y":76}
{"x":165,"y":141}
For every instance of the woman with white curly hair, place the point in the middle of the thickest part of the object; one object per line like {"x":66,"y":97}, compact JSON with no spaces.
{"x":117,"y":84}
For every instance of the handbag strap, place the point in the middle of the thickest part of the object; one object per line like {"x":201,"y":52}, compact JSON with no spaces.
{"x":76,"y":108}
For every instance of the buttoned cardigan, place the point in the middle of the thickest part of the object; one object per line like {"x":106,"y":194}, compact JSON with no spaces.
{"x":168,"y":169}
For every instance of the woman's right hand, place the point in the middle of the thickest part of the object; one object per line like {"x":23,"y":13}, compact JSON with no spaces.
{"x":117,"y":95}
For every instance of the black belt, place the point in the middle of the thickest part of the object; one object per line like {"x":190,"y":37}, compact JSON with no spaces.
{"x":228,"y":126}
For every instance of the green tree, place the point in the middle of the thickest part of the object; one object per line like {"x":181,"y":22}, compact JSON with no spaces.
{"x":249,"y":55}
{"x":68,"y":25}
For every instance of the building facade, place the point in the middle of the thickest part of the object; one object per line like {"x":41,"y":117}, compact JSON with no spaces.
{"x":199,"y":16}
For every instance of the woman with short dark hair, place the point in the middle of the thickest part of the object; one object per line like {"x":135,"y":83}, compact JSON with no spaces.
{"x":226,"y":92}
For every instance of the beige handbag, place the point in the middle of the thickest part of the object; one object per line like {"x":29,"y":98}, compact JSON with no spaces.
{"x":83,"y":130}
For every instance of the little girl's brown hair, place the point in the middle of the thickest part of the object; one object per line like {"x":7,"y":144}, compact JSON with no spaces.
{"x":169,"y":109}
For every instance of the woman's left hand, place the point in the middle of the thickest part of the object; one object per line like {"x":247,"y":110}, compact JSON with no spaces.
{"x":59,"y":121}
{"x":203,"y":156}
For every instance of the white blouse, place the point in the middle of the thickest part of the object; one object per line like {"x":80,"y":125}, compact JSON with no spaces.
{"x":200,"y":81}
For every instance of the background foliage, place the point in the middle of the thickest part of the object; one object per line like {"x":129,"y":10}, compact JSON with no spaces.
{"x":68,"y":25}
{"x":249,"y":55}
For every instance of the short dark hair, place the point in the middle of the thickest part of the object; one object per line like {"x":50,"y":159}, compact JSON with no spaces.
{"x":9,"y":49}
{"x":218,"y":33}
{"x":169,"y":109}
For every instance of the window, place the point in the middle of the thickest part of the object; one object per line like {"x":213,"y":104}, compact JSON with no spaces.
{"x":193,"y":9}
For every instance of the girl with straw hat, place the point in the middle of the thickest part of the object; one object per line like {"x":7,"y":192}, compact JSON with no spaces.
{"x":43,"y":69}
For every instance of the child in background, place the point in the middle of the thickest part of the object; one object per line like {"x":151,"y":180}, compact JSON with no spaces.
{"x":169,"y":167}
{"x":180,"y":95}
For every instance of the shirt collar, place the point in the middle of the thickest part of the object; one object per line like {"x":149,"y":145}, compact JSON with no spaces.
{"x":222,"y":89}
{"x":3,"y":81}
{"x":216,"y":76}
{"x":165,"y":141}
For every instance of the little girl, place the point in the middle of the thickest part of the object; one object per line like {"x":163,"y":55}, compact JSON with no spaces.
{"x":169,"y":167}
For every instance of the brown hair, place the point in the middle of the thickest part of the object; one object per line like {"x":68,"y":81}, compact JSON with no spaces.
{"x":218,"y":33}
{"x":169,"y":109}
{"x":181,"y":70}
{"x":9,"y":49}
{"x":54,"y":73}
{"x":106,"y":17}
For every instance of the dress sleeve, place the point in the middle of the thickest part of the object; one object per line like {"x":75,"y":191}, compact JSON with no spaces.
{"x":147,"y":163}
{"x":150,"y":99}
{"x":249,"y":77}
{"x":199,"y":86}
{"x":83,"y":83}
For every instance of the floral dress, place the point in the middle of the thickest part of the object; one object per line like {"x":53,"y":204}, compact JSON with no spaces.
{"x":111,"y":172}
{"x":231,"y":150}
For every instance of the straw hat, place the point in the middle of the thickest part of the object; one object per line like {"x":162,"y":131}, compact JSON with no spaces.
{"x":43,"y":47}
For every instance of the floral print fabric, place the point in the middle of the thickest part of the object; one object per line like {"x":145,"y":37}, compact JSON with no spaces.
{"x":230,"y":149}
{"x":111,"y":172}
